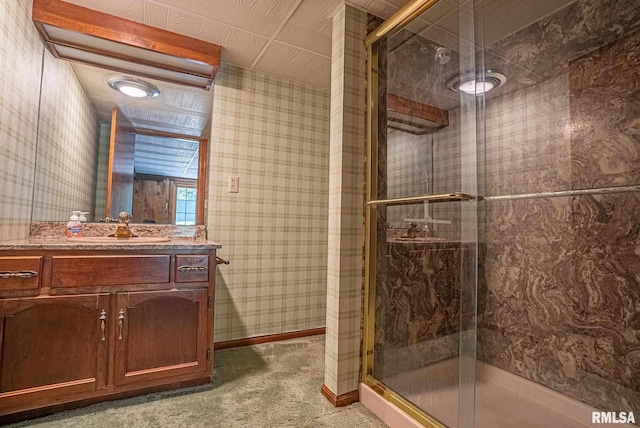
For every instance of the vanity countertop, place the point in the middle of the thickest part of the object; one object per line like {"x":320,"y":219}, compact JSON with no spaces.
{"x":50,"y":236}
{"x":61,"y":243}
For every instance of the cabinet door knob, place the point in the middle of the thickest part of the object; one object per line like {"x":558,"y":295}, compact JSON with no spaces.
{"x":120,"y":323}
{"x":103,"y":323}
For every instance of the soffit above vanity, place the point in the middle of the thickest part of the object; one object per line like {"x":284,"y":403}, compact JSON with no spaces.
{"x":87,"y":36}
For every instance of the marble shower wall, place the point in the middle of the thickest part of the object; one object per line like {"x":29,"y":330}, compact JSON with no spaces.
{"x":418,"y":301}
{"x":559,"y":299}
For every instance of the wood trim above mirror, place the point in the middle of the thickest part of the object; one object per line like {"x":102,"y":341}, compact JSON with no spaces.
{"x":85,"y":35}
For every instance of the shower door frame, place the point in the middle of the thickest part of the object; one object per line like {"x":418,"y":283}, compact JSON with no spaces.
{"x":395,"y":23}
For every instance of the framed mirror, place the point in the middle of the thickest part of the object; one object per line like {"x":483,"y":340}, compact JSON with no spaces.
{"x":158,"y":148}
{"x":80,"y":164}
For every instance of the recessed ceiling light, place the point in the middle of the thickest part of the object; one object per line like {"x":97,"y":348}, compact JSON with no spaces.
{"x":133,"y":87}
{"x":477,"y":84}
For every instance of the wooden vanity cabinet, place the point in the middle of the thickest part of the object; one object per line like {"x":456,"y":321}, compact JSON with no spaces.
{"x":51,"y":347}
{"x":90,"y":336}
{"x":160,"y":334}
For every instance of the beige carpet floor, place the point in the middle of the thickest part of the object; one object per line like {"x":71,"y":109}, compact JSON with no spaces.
{"x":270,"y":385}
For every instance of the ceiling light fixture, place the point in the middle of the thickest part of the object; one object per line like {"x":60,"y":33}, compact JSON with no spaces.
{"x":133,"y":87}
{"x":479,"y":84}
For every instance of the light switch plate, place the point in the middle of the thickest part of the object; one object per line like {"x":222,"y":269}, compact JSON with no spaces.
{"x":234,"y":184}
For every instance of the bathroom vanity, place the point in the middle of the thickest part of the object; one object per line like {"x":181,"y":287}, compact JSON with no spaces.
{"x":82,"y":323}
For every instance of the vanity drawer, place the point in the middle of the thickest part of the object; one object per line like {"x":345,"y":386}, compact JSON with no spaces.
{"x":192,"y":268}
{"x":20,"y":273}
{"x":83,"y":271}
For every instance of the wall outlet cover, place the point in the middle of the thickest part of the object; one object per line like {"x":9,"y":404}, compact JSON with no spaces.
{"x":234,"y":184}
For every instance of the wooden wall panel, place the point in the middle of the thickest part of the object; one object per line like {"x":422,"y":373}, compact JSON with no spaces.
{"x":122,"y":147}
{"x":152,"y":201}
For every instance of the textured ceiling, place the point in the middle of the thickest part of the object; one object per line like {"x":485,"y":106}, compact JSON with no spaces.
{"x":178,"y":109}
{"x":169,"y":157}
{"x":288,"y":38}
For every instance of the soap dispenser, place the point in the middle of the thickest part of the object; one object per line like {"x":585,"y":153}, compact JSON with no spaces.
{"x":74,"y":226}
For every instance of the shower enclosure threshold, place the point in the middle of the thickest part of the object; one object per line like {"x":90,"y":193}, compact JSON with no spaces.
{"x":522,"y":403}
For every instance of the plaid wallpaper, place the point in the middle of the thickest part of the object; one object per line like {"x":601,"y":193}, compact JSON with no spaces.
{"x":20,"y":65}
{"x":411,"y":159}
{"x":346,"y":201}
{"x":63,"y":163}
{"x":273,"y":134}
{"x":408,"y":173}
{"x":67,"y":145}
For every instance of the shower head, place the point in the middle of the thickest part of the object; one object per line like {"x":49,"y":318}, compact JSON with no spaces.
{"x":443,"y":55}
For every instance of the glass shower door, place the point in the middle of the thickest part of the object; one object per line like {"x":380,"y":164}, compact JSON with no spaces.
{"x":422,"y":217}
{"x":541,"y":102}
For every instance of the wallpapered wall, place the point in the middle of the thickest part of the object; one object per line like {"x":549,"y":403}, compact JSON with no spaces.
{"x":21,"y":53}
{"x":274,"y":134}
{"x":67,"y":145}
{"x":66,"y":129}
{"x":409,"y":173}
{"x":346,"y":201}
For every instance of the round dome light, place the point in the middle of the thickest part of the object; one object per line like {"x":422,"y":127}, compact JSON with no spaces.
{"x":484,"y":83}
{"x":133,"y":87}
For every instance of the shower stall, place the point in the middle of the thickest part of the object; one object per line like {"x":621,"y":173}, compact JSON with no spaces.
{"x":502,"y":272}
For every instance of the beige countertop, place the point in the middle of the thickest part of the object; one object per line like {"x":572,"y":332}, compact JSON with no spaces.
{"x":61,"y":243}
{"x":50,"y":236}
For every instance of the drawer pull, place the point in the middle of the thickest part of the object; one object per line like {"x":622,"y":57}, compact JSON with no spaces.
{"x":22,"y":274}
{"x":120,"y":323}
{"x":103,"y":323}
{"x":192,"y":269}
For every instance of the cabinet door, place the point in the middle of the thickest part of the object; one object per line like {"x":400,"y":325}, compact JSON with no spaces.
{"x":52,"y":346}
{"x":160,"y":334}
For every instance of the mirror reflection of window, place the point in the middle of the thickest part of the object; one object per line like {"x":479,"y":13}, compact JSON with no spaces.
{"x":185,"y":206}
{"x":165,"y":180}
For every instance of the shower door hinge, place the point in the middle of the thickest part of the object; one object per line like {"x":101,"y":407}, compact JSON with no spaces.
{"x":208,"y":354}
